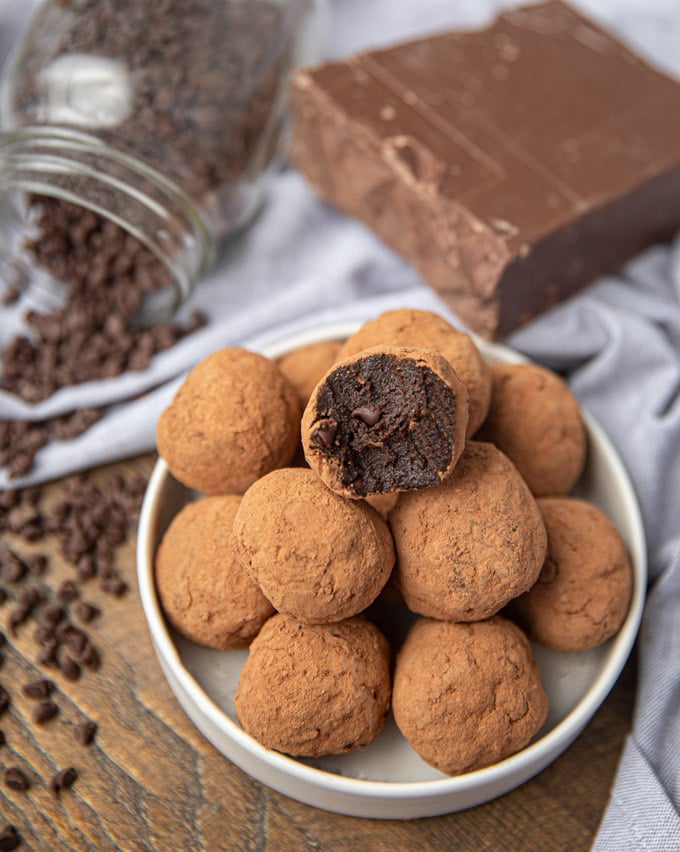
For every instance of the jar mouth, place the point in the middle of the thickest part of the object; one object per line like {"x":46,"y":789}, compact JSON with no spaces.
{"x":75,"y":167}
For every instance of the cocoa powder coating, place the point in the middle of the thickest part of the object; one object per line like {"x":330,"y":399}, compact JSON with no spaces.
{"x":205,"y":593}
{"x":315,"y":555}
{"x":467,"y":695}
{"x":583,"y":592}
{"x":387,"y":419}
{"x":468,"y":546}
{"x":427,"y":330}
{"x":536,"y":421}
{"x":312,"y":690}
{"x":304,"y":367}
{"x":234,"y":418}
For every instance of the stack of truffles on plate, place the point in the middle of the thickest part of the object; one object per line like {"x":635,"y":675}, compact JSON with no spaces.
{"x":429,"y":482}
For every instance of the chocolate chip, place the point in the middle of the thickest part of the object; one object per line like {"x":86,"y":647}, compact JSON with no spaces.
{"x":16,"y":779}
{"x":68,"y":591}
{"x":4,"y":700}
{"x":47,"y":656}
{"x":90,"y":657}
{"x":45,"y":711}
{"x":10,"y":839}
{"x":53,"y":615}
{"x":86,"y":612}
{"x":30,"y":597}
{"x":17,"y":617}
{"x":86,"y":568}
{"x":12,"y":568}
{"x":76,"y":639}
{"x":326,"y":434}
{"x":37,"y":564}
{"x":38,"y":688}
{"x":3,"y":739}
{"x":369,"y":416}
{"x":63,"y":779}
{"x":84,"y":731}
{"x":70,"y":668}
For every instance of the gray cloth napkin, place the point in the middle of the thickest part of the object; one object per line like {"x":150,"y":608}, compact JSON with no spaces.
{"x":303,"y":264}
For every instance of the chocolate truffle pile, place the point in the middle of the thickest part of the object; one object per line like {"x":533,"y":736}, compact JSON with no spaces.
{"x":427,"y":482}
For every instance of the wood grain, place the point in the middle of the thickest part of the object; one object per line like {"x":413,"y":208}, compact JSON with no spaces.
{"x":151,"y":782}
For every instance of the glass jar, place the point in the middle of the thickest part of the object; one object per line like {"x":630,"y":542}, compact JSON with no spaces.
{"x":136,"y":136}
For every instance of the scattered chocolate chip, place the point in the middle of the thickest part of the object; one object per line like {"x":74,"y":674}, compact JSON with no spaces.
{"x":16,"y":779}
{"x":37,"y":564}
{"x":43,"y":634}
{"x":38,"y":688}
{"x":90,"y":657}
{"x":4,"y":700}
{"x":76,"y":639}
{"x":53,"y":614}
{"x":86,"y":612}
{"x":3,"y":739}
{"x":30,"y":597}
{"x":47,"y":656}
{"x":11,"y":567}
{"x":63,"y":779}
{"x":70,"y":669}
{"x":17,"y":617}
{"x":84,"y":731}
{"x":68,"y":591}
{"x":114,"y":586}
{"x":10,"y":839}
{"x":86,"y":568}
{"x":45,"y":711}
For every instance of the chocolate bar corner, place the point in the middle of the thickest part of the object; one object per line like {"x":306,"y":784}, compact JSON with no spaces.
{"x":511,"y":165}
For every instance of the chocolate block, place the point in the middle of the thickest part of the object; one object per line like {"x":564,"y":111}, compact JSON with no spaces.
{"x":511,"y":166}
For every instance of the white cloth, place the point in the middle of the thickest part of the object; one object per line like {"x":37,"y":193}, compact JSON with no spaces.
{"x":303,"y":263}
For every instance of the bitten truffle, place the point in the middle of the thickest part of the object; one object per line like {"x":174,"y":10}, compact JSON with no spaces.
{"x":311,"y":690}
{"x":536,"y":421}
{"x":467,"y":695}
{"x":386,"y":419}
{"x":583,"y":592}
{"x":234,"y":418}
{"x":427,"y":330}
{"x":468,"y":546}
{"x":315,"y":555}
{"x":204,"y":591}
{"x":304,"y":367}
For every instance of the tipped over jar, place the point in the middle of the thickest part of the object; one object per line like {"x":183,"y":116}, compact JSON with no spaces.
{"x":136,"y":137}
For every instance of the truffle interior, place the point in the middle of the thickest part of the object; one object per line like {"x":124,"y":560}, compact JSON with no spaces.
{"x":388,"y":423}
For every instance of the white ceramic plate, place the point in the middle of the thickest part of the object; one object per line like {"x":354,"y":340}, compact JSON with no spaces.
{"x":387,"y":779}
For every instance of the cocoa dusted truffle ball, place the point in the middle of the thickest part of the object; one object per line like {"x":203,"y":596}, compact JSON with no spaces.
{"x":467,"y":695}
{"x":536,"y":421}
{"x":583,"y":592}
{"x":233,"y":419}
{"x":468,"y":546}
{"x":205,"y":592}
{"x":311,"y":690}
{"x":427,"y":330}
{"x":387,"y":419}
{"x":303,"y":367}
{"x":315,"y":556}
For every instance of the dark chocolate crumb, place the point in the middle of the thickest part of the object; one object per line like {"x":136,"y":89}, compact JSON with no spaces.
{"x":38,"y":688}
{"x":53,"y":614}
{"x":17,"y":617}
{"x":45,"y":711}
{"x":48,"y":655}
{"x":90,"y":657}
{"x":16,"y":779}
{"x":84,"y":732}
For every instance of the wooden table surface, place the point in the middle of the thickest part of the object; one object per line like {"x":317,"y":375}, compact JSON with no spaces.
{"x":150,"y":781}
